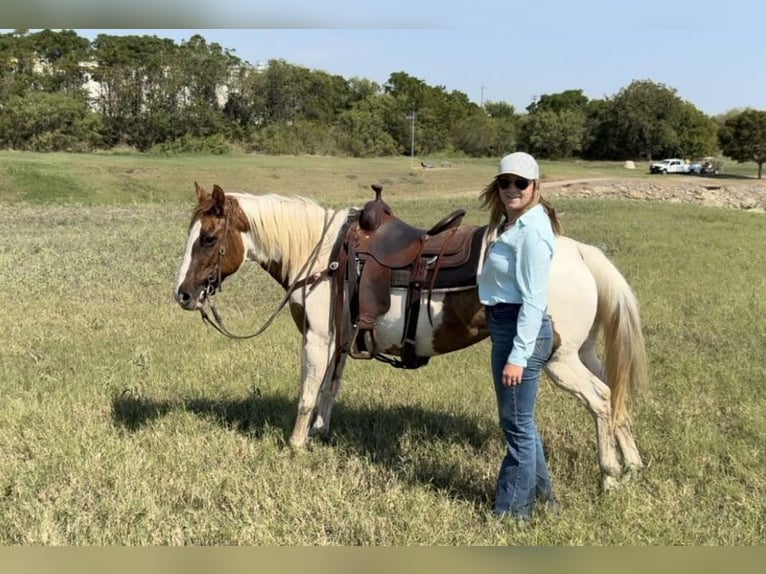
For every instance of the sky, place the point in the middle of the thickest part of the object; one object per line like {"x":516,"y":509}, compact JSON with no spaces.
{"x":712,"y":54}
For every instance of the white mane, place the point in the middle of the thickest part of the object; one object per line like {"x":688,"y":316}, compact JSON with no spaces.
{"x":286,"y":230}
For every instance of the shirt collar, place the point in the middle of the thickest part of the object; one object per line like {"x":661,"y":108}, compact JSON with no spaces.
{"x":530,"y":215}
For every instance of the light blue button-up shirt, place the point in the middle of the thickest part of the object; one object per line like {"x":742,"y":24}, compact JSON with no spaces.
{"x":516,"y":270}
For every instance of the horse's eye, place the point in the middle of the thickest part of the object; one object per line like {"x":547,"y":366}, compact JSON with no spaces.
{"x":207,"y":240}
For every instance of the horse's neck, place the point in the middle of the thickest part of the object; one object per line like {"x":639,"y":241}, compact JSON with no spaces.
{"x":285,"y":234}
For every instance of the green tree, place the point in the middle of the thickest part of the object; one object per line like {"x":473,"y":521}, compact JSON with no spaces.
{"x":647,"y":120}
{"x":554,"y":126}
{"x":362,"y":129}
{"x":743,"y":137}
{"x":408,"y":95}
{"x":59,"y":61}
{"x":553,"y":134}
{"x":275,"y":95}
{"x":697,"y":132}
{"x":500,"y":110}
{"x":566,"y":100}
{"x":244,"y":108}
{"x":138,"y":95}
{"x":283,"y":94}
{"x":644,"y":118}
{"x":43,"y":121}
{"x":16,"y":64}
{"x":362,"y":88}
{"x":325,"y":97}
{"x":436,"y":112}
{"x":202,"y":72}
{"x":597,"y":139}
{"x":483,"y":135}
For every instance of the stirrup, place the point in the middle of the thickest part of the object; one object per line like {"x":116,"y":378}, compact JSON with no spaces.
{"x":353,"y":350}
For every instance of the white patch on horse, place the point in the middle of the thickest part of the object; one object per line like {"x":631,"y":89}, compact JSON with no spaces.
{"x":388,"y":334}
{"x":250,"y":247}
{"x":193,"y":236}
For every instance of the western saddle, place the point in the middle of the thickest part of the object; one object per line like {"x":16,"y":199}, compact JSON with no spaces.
{"x":380,"y":252}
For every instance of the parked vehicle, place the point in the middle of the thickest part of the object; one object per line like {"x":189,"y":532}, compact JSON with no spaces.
{"x":672,"y":165}
{"x":706,"y":166}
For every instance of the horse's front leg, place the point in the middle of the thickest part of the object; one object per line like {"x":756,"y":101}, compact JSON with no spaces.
{"x":315,"y":364}
{"x":327,"y":395}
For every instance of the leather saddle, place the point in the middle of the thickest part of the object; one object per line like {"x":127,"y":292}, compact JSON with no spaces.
{"x":381,"y":252}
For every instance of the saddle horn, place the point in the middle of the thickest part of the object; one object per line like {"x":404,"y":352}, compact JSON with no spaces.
{"x":375,"y":211}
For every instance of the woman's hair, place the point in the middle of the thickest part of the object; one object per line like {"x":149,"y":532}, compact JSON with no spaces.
{"x":490,"y":198}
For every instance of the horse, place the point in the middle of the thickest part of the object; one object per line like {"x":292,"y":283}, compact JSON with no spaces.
{"x":293,"y":238}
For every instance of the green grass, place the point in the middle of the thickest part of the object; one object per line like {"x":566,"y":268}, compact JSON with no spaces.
{"x":132,"y":178}
{"x":125,"y":420}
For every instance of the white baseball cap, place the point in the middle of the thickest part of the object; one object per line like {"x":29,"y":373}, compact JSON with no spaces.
{"x":521,"y":164}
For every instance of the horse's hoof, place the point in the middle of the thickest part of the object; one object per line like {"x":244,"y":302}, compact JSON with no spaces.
{"x":320,"y":433}
{"x":297,"y":444}
{"x":610,"y":483}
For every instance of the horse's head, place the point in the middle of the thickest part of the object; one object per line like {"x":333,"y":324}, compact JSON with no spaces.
{"x":215,"y":247}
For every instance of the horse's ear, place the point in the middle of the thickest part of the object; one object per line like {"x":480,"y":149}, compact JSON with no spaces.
{"x":218,"y":199}
{"x":202,"y":193}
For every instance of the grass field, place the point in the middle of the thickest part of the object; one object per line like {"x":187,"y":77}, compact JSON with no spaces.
{"x":130,"y":178}
{"x":125,"y":420}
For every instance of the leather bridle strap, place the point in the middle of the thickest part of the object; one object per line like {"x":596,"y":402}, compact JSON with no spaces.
{"x":221,"y":328}
{"x":214,"y":280}
{"x":217,"y":321}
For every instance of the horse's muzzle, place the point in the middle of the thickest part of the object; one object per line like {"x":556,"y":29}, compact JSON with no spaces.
{"x":190,"y":302}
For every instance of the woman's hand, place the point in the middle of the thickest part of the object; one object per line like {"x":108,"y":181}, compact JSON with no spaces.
{"x":512,"y":375}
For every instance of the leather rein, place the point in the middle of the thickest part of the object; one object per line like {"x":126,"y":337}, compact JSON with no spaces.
{"x":214,"y":282}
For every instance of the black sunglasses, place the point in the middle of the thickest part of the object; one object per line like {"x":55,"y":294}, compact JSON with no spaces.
{"x":505,"y":182}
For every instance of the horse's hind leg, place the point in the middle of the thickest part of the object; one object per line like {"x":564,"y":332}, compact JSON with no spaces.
{"x":327,"y":394}
{"x":569,"y":373}
{"x":315,"y":364}
{"x":589,"y":356}
{"x":627,"y":443}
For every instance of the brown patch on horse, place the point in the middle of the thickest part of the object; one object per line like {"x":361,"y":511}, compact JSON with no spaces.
{"x":298,"y":314}
{"x":276,"y":270}
{"x":464,"y":322}
{"x":218,"y":204}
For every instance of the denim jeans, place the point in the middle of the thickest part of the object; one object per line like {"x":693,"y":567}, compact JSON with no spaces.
{"x":523,"y":476}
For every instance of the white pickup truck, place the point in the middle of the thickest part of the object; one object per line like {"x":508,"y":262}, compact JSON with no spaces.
{"x":672,"y":165}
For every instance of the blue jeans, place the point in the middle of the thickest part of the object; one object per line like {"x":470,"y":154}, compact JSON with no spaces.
{"x":523,"y":476}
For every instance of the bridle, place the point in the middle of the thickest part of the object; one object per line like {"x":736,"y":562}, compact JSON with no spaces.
{"x":214,"y":282}
{"x":214,"y":279}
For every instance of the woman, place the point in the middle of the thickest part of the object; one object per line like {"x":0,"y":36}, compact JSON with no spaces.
{"x":513,"y":286}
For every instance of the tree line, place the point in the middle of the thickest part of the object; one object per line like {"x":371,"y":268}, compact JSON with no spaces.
{"x":60,"y":91}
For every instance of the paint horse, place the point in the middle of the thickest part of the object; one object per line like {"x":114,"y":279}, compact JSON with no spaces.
{"x":297,"y":242}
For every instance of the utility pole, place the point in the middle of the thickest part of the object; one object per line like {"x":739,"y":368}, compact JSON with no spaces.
{"x":411,"y":117}
{"x":482,"y":97}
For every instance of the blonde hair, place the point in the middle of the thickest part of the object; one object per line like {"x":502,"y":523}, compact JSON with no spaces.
{"x":490,"y":198}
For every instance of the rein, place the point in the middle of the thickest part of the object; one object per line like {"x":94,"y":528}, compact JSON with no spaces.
{"x":214,"y":285}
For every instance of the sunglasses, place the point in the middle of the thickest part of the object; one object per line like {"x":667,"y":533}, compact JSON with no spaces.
{"x":505,"y":182}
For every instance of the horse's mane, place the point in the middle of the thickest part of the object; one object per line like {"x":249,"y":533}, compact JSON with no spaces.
{"x":287,"y":229}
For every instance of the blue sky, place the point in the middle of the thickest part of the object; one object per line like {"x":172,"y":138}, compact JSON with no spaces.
{"x":493,"y":50}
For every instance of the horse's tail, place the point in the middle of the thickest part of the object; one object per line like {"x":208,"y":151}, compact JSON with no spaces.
{"x":618,"y":314}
